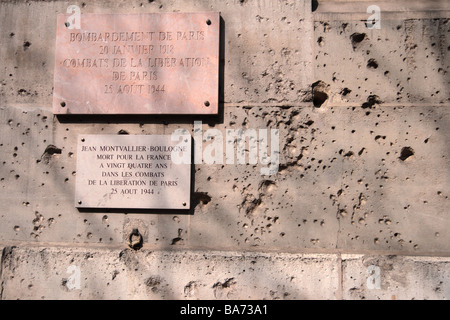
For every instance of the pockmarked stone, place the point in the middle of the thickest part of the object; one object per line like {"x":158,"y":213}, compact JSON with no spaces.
{"x":149,"y":63}
{"x":133,"y":171}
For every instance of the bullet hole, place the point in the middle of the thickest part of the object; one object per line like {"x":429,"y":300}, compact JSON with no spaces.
{"x":314,"y":5}
{"x":11,"y":34}
{"x":135,"y":240}
{"x":201,"y":197}
{"x":341,"y":213}
{"x":372,"y":64}
{"x":349,"y":154}
{"x":320,"y":93}
{"x":26,"y":45}
{"x":49,"y":152}
{"x":191,"y":288}
{"x":357,"y":38}
{"x":38,"y":220}
{"x":178,"y":240}
{"x":153,"y":283}
{"x":406,"y":153}
{"x":22,"y":92}
{"x":250,"y":204}
{"x":378,"y":137}
{"x":121,"y":131}
{"x":321,"y":41}
{"x":344,"y":92}
{"x":51,"y":149}
{"x":267,"y":186}
{"x":16,"y":228}
{"x":371,"y":101}
{"x":64,"y":282}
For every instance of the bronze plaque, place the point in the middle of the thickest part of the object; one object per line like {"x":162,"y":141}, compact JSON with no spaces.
{"x":149,"y":63}
{"x":133,"y":172}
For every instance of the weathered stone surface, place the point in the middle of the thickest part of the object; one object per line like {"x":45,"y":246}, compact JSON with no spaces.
{"x":51,"y":273}
{"x":395,"y":277}
{"x":117,"y":273}
{"x":406,"y":60}
{"x":363,"y":164}
{"x":368,"y":192}
{"x":266,"y":46}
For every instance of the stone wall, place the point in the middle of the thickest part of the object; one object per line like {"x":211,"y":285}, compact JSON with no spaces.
{"x":358,"y":207}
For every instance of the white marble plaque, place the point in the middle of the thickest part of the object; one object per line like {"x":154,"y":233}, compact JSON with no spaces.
{"x":133,"y":172}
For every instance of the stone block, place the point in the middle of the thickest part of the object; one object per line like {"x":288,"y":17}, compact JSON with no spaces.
{"x":395,"y":277}
{"x":89,"y":273}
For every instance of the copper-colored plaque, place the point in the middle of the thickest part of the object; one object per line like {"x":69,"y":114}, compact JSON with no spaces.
{"x":133,"y":172}
{"x":149,"y":63}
